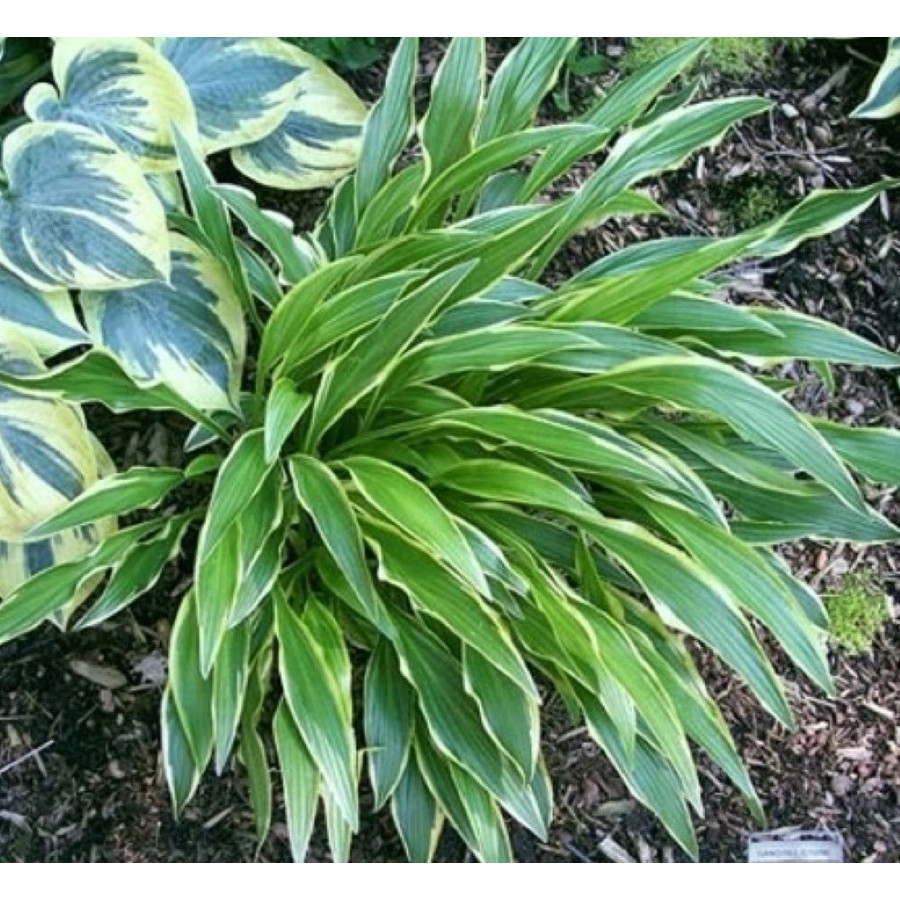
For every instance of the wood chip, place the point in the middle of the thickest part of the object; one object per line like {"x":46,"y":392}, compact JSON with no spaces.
{"x":614,"y":851}
{"x":105,"y":676}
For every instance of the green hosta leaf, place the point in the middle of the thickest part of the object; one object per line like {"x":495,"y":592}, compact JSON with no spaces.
{"x":491,"y":840}
{"x":660,"y":145}
{"x":796,"y":336}
{"x":78,"y":212}
{"x":300,"y":779}
{"x":647,"y":776}
{"x":323,"y":498}
{"x":95,"y":377}
{"x":754,"y":412}
{"x":412,"y":508}
{"x":296,"y":257}
{"x":43,"y":318}
{"x":472,"y":170}
{"x":389,"y":209}
{"x":291,"y":316}
{"x":683,"y":313}
{"x":416,"y":814}
{"x":873,"y":452}
{"x":624,"y":103}
{"x":191,"y":690}
{"x":363,"y":368}
{"x":509,"y":714}
{"x":388,"y":126}
{"x":182,"y":774}
{"x":388,"y":721}
{"x":138,"y":488}
{"x":284,"y":407}
{"x":217,"y":579}
{"x":519,"y":85}
{"x":435,"y":591}
{"x":188,"y":335}
{"x":341,"y":318}
{"x":619,"y":298}
{"x":47,"y":457}
{"x":318,"y":707}
{"x":340,"y":834}
{"x":122,"y":88}
{"x":51,"y":590}
{"x":815,"y":216}
{"x":240,"y":476}
{"x":23,"y":60}
{"x":138,"y":571}
{"x":229,"y":683}
{"x":318,"y":141}
{"x":456,"y":93}
{"x":753,"y":585}
{"x":242,"y":88}
{"x":883,"y":99}
{"x":253,"y":750}
{"x":453,"y":725}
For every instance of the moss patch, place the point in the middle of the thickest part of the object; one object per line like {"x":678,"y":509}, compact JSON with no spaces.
{"x":726,"y":55}
{"x":857,"y":611}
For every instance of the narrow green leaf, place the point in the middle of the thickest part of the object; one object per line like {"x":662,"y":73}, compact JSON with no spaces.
{"x":456,"y":92}
{"x":191,"y":691}
{"x":229,"y":683}
{"x":416,"y":814}
{"x":138,"y":488}
{"x":182,"y":775}
{"x":389,"y":125}
{"x":284,"y":407}
{"x":313,"y":695}
{"x":411,"y":507}
{"x":388,"y":722}
{"x":321,"y":495}
{"x":217,"y":577}
{"x":300,"y":779}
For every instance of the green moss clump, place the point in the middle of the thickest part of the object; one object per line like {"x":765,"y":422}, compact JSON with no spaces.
{"x":749,"y":200}
{"x":857,"y":612}
{"x":726,"y":55}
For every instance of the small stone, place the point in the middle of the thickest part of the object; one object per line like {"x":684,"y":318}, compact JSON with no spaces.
{"x":820,"y":134}
{"x":789,"y":110}
{"x":806,"y":166}
{"x":855,"y":408}
{"x":841,"y":785}
{"x":115,"y":769}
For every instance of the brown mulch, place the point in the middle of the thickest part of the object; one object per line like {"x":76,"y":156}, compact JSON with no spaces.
{"x":95,"y":791}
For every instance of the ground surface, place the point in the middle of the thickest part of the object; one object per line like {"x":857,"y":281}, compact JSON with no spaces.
{"x":79,"y":767}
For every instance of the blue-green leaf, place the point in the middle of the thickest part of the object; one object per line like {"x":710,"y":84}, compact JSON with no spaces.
{"x":78,"y":212}
{"x":47,"y":457}
{"x":188,"y":335}
{"x":319,"y":140}
{"x":121,"y":87}
{"x":45,"y":319}
{"x":242,"y":88}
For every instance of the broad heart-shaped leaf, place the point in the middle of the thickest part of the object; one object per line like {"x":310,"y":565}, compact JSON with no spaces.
{"x":20,"y":560}
{"x":47,"y":457}
{"x":188,"y":335}
{"x":319,"y":140}
{"x":78,"y":212}
{"x":45,"y":319}
{"x":120,"y":87}
{"x":242,"y":88}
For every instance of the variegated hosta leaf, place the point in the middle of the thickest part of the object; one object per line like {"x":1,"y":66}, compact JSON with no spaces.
{"x":46,"y":454}
{"x":120,"y":87}
{"x":242,"y":88}
{"x":319,"y":140}
{"x":45,"y":319}
{"x":19,"y":561}
{"x":883,"y":99}
{"x":188,"y":335}
{"x":78,"y":212}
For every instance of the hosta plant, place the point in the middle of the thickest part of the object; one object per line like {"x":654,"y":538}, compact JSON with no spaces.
{"x":441,"y":489}
{"x":883,"y":99}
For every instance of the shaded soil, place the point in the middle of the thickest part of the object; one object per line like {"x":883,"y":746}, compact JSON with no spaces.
{"x":80,"y":775}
